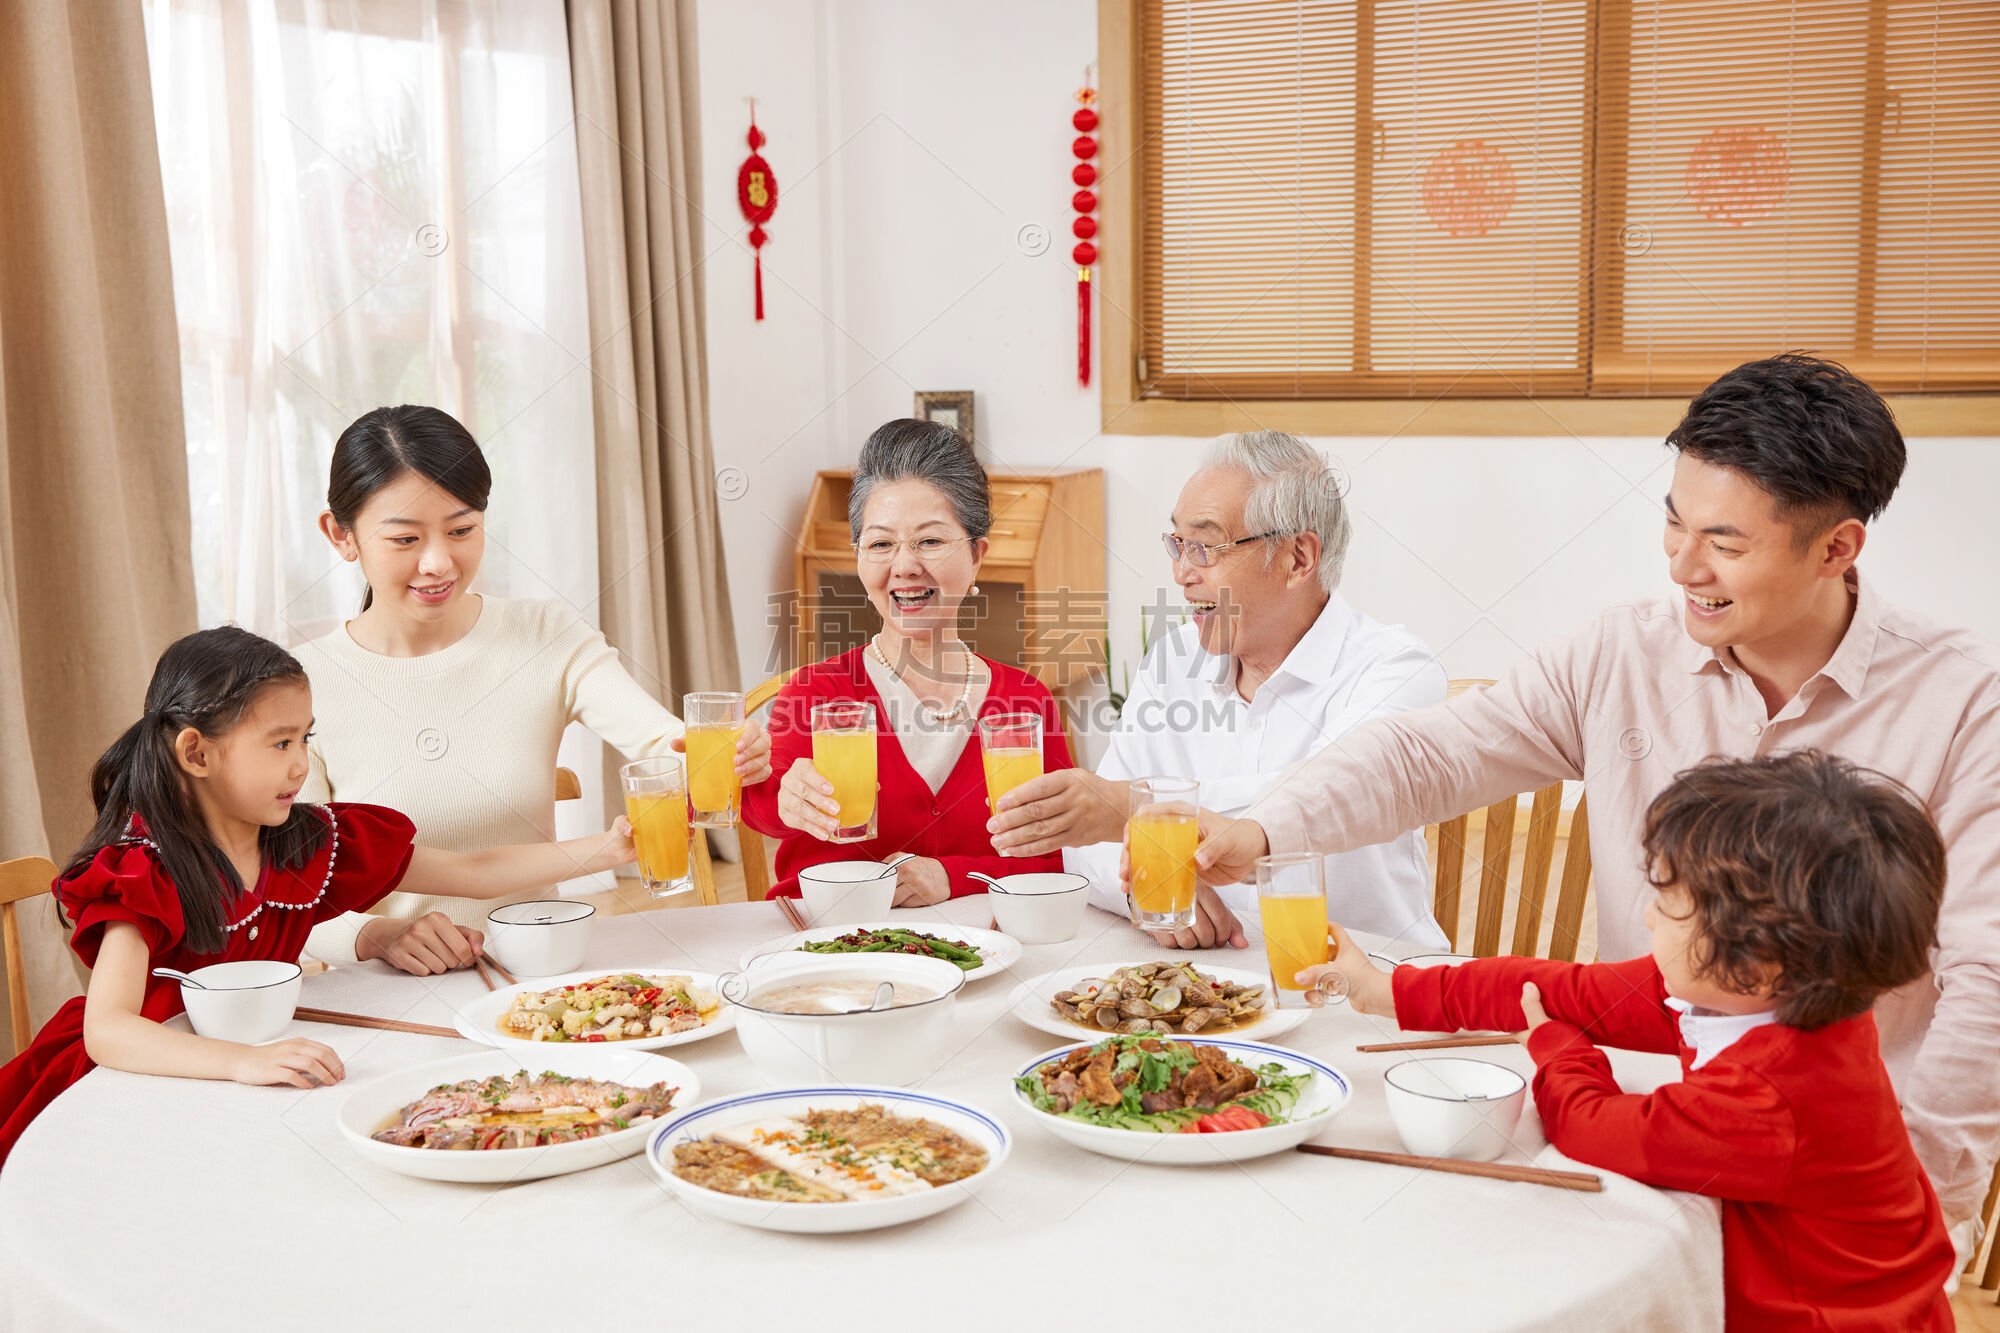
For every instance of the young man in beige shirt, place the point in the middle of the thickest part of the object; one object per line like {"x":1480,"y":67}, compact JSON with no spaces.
{"x":1773,"y":642}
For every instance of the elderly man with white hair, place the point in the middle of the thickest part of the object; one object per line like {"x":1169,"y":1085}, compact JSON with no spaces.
{"x":1274,"y":666}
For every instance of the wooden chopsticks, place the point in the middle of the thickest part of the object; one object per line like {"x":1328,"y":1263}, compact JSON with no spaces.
{"x":339,"y":1019}
{"x":1442,"y":1043}
{"x":792,"y":913}
{"x":483,"y":963}
{"x":1587,"y":1181}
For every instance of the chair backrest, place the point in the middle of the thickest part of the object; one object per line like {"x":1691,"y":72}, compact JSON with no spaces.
{"x":1496,"y":886}
{"x":20,"y":879}
{"x":567,"y":786}
{"x":756,"y":856}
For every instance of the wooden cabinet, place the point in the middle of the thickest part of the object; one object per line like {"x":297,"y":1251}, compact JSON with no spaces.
{"x":1043,"y":595}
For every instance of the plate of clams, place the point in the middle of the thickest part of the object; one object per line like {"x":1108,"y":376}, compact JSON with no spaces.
{"x":1178,"y":998}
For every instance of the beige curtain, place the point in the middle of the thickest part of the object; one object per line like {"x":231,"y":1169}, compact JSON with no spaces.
{"x":94,"y":567}
{"x":664,"y":601}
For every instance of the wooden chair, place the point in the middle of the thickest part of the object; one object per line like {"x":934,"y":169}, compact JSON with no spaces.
{"x":20,"y":879}
{"x":1989,"y":1272}
{"x":1496,"y":855}
{"x":756,"y":856}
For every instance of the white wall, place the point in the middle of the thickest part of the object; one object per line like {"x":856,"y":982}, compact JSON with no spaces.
{"x":944,"y":128}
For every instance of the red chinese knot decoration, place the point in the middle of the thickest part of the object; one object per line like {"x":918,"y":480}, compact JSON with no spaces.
{"x":1469,"y":188}
{"x":1084,"y":203}
{"x":757,"y":196}
{"x":1738,"y":174}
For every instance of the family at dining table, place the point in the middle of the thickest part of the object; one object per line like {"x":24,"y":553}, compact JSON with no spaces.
{"x":1794,"y":801}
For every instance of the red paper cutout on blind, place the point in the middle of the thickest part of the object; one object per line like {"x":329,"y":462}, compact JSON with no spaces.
{"x":1468,"y":189}
{"x":1738,"y":174}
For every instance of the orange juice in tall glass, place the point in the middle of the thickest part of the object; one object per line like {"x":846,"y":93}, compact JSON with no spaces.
{"x":1291,"y":903}
{"x":656,"y":803}
{"x":1010,"y":749}
{"x":1161,"y":835}
{"x":844,"y":753}
{"x":714,"y":724}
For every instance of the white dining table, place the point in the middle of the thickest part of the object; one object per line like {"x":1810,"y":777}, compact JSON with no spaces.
{"x":153,"y":1203}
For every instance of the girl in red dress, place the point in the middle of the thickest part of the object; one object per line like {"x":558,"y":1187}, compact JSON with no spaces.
{"x":200,"y":855}
{"x":1794,"y":890}
{"x":920,"y":510}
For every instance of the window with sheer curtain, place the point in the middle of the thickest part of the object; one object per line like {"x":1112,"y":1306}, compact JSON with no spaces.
{"x":369,"y":202}
{"x":1561,"y":198}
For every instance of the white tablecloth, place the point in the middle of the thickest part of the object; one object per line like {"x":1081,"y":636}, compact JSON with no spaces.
{"x":157,"y":1203}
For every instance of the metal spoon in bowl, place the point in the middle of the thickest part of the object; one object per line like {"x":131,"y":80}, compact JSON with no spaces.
{"x":172,"y":974}
{"x":883,"y":994}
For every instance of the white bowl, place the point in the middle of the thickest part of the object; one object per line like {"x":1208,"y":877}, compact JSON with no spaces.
{"x":826,"y":1218}
{"x":372,"y":1103}
{"x":847,"y":893}
{"x":1319,"y":1103}
{"x":251,"y":1002}
{"x":897,"y":1046}
{"x":540,"y":938}
{"x":1043,"y":907}
{"x":1455,"y":1107}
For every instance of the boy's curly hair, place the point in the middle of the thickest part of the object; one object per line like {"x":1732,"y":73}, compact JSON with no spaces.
{"x":1829,"y":872}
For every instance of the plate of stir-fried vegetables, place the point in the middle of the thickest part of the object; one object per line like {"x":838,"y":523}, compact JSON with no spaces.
{"x":979,"y":953}
{"x":641,"y":1008}
{"x":1181,"y":1100}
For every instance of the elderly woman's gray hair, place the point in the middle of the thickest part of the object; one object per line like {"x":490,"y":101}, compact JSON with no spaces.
{"x":912,"y":450}
{"x":1293,"y":490}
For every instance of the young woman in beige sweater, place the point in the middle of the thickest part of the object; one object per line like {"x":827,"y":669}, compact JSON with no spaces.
{"x":445,"y":704}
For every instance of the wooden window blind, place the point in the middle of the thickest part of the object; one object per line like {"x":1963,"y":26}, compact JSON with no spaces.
{"x":1563,"y":198}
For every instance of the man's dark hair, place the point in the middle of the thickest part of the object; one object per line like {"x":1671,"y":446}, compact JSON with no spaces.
{"x":1811,"y":434}
{"x":1801,"y":861}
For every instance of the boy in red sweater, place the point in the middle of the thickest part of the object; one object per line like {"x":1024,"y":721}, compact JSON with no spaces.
{"x":1793,"y":890}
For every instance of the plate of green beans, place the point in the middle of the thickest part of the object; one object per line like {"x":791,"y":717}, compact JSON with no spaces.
{"x":979,"y":952}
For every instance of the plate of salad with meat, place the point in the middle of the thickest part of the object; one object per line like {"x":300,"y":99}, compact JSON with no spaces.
{"x":1181,"y":1101}
{"x":978,"y":953}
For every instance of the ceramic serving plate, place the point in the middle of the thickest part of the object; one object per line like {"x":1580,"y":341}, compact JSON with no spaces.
{"x":480,"y":1020}
{"x":825,"y":1218}
{"x":1320,"y":1101}
{"x":997,"y":952}
{"x":1031,"y":1001}
{"x":370,"y":1106}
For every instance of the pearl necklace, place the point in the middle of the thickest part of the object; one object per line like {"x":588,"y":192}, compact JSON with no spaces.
{"x":332,"y":855}
{"x":935,"y":715}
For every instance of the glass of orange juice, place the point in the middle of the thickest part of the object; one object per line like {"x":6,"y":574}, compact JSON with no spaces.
{"x":1160,"y":835}
{"x":1010,"y":745}
{"x":1291,"y":900}
{"x":656,"y":803}
{"x":844,"y":753}
{"x":714,"y":723}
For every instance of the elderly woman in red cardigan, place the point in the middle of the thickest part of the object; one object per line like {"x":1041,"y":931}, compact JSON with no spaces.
{"x":919,"y":512}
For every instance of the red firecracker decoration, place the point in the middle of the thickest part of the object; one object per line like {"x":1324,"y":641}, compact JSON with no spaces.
{"x":1084,"y":201}
{"x":757,"y":196}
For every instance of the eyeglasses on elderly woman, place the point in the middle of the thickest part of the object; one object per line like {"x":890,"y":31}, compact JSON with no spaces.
{"x":880,"y":550}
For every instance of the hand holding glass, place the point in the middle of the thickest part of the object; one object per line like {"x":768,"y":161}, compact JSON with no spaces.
{"x":1010,"y":747}
{"x":844,"y":753}
{"x":714,"y":725}
{"x":1291,"y":900}
{"x":656,"y":803}
{"x":1161,"y":834}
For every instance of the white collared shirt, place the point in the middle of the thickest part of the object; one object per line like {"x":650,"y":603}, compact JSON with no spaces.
{"x":1184,"y":718}
{"x":1710,"y":1033}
